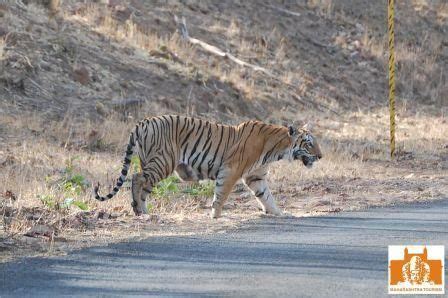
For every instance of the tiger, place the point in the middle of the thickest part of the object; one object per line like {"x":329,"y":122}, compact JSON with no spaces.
{"x":198,"y":149}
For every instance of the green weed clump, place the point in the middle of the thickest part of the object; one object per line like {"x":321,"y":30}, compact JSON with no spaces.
{"x":66,"y":189}
{"x":166,"y":187}
{"x":172,"y":185}
{"x":205,"y":189}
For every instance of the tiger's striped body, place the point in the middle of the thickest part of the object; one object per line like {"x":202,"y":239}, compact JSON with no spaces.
{"x":199,"y":149}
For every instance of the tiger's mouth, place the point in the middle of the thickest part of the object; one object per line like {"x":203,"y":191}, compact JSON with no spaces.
{"x":308,"y":161}
{"x":306,"y":158}
{"x":297,"y":155}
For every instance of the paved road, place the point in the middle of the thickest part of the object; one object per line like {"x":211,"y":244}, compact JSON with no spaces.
{"x":341,"y":255}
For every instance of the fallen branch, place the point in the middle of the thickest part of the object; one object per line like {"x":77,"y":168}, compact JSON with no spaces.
{"x":39,"y":87}
{"x":284,"y":11}
{"x":182,"y":28}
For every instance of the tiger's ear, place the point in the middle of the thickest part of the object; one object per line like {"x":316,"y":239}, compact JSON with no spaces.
{"x":293,"y":132}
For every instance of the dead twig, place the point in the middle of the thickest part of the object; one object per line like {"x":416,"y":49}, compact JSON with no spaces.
{"x":284,"y":11}
{"x":39,"y":87}
{"x":182,"y":28}
{"x":20,"y":4}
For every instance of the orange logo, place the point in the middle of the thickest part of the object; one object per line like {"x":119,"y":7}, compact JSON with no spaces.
{"x":416,"y":269}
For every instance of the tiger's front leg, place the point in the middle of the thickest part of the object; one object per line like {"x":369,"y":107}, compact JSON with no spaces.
{"x":256,"y":181}
{"x":224,"y":185}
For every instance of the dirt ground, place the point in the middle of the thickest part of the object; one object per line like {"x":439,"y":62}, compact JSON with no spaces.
{"x":74,"y":81}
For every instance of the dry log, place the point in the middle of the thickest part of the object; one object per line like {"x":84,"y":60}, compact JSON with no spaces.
{"x":182,"y":28}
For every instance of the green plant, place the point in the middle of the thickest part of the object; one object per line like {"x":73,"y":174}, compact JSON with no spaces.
{"x":50,"y":202}
{"x":47,"y":200}
{"x":71,"y":183}
{"x":205,"y":189}
{"x":135,"y":163}
{"x":149,"y":207}
{"x":166,"y":187}
{"x":70,"y":201}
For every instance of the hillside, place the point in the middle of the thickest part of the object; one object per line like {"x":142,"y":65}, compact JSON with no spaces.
{"x":322,"y":52}
{"x":76,"y":77}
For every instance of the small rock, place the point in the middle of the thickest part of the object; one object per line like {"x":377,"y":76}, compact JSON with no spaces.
{"x":116,"y":214}
{"x":103,"y":215}
{"x":40,"y":230}
{"x":81,"y":75}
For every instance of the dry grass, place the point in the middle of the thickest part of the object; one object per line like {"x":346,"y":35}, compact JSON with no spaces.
{"x":172,"y":48}
{"x":325,"y":7}
{"x":2,"y":48}
{"x":101,"y":20}
{"x":355,"y":173}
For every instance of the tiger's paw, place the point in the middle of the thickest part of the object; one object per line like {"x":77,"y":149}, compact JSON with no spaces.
{"x":216,"y":213}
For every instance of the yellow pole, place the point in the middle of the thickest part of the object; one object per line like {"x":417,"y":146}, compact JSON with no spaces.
{"x":390,"y":14}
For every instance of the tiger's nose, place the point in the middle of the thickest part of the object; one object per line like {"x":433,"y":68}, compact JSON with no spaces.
{"x":319,"y":156}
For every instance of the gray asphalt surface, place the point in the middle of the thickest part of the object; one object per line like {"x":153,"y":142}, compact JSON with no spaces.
{"x":340,"y":255}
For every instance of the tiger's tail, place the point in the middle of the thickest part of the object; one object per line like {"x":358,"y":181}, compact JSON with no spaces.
{"x":124,"y":172}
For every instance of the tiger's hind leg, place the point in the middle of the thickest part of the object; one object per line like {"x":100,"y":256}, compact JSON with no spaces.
{"x":256,"y":181}
{"x":138,"y":203}
{"x":142,"y":184}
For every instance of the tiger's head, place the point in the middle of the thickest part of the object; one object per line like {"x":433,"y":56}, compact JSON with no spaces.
{"x":305,"y":145}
